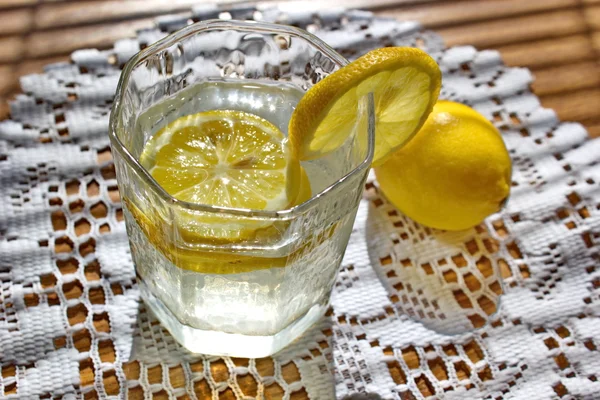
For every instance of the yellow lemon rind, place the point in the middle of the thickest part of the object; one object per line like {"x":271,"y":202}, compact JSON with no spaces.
{"x":315,"y":105}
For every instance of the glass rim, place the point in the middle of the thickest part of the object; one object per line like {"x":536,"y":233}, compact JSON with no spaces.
{"x":249,"y":26}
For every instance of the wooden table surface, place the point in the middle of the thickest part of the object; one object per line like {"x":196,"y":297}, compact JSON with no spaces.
{"x":559,"y":40}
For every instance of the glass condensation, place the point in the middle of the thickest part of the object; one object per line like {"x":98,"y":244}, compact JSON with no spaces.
{"x":251,"y":297}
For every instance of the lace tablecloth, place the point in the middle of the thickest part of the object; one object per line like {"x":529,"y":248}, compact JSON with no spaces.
{"x":407,"y":298}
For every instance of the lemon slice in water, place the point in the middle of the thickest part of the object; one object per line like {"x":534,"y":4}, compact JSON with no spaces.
{"x":224,"y":158}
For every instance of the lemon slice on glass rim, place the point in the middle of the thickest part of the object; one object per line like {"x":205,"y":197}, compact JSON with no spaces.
{"x":405,"y":82}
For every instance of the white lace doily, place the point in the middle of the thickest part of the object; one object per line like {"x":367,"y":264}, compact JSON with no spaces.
{"x":403,"y":312}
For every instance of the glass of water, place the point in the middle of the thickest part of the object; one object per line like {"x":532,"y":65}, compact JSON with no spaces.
{"x":251,"y":294}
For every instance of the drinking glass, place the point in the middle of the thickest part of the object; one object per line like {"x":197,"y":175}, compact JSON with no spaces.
{"x":251,"y":296}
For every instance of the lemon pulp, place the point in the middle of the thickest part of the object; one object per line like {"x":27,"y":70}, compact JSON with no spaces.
{"x":224,"y":158}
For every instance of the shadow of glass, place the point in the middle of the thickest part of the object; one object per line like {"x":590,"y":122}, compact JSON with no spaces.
{"x":308,"y":361}
{"x":448,"y":281}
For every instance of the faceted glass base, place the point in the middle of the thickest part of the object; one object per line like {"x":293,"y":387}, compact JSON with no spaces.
{"x":230,"y":344}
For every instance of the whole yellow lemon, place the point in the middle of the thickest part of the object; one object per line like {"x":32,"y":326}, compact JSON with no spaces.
{"x":455,"y":171}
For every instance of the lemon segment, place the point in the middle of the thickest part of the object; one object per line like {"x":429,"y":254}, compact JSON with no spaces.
{"x":455,"y":172}
{"x":405,"y":83}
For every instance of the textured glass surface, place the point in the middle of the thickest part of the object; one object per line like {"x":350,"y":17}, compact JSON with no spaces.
{"x":252,"y":296}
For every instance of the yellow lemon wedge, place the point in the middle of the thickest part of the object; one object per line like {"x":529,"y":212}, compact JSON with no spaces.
{"x":224,"y":158}
{"x":405,"y":83}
